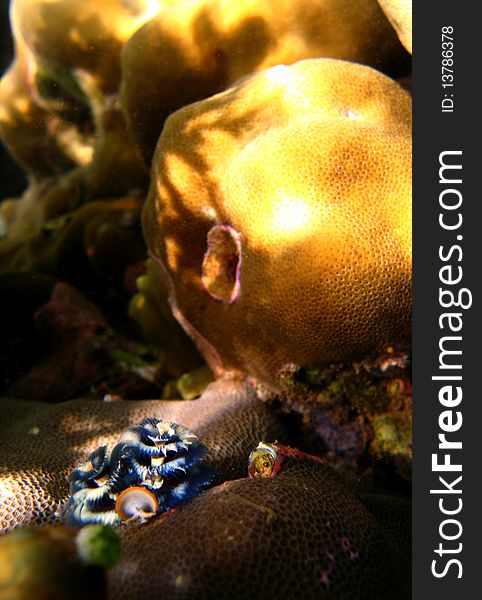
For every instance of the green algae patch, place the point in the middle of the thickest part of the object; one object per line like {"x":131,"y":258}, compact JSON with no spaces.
{"x":392,"y":433}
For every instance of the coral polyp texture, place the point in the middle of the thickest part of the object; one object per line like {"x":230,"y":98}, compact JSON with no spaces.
{"x":297,"y":532}
{"x":279,"y":215}
{"x":43,"y":443}
{"x":194,"y":49}
{"x":153,"y":468}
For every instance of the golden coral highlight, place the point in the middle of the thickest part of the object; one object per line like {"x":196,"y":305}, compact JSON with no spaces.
{"x":309,"y":167}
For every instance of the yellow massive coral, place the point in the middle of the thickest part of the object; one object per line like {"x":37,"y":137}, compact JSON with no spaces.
{"x":59,"y":96}
{"x":80,"y":34}
{"x":280,"y":211}
{"x":198,"y":48}
{"x":58,"y":116}
{"x":43,"y":143}
{"x":400,"y":14}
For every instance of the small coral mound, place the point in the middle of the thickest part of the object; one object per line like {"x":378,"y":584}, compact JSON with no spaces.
{"x":294,"y":532}
{"x":279,"y":213}
{"x":153,"y":468}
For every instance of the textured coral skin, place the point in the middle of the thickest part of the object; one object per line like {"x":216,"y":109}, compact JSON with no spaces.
{"x":299,"y":534}
{"x":311,"y":166}
{"x":400,"y":14}
{"x":198,"y":48}
{"x":42,"y":443}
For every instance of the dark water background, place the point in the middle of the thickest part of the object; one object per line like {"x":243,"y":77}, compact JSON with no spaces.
{"x":12,"y":178}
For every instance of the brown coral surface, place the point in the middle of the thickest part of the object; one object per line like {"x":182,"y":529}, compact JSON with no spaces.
{"x":42,"y":443}
{"x":299,"y":534}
